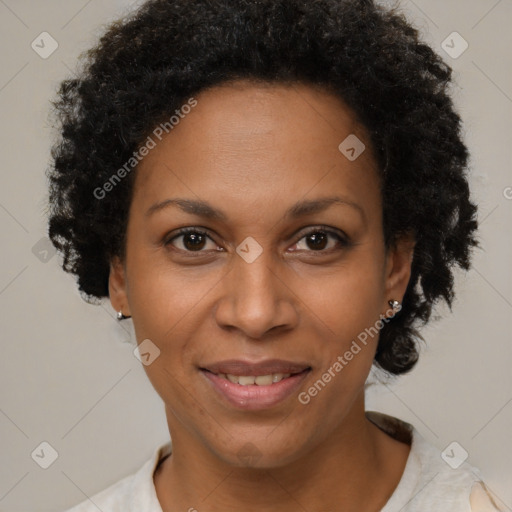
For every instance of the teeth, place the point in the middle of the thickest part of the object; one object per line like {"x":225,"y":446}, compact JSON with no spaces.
{"x":260,"y":380}
{"x":245,"y":380}
{"x":263,"y":380}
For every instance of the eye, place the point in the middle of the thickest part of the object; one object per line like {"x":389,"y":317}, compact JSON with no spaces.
{"x":193,"y":239}
{"x":316,"y":240}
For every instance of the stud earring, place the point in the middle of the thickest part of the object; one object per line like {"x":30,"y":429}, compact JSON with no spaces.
{"x":120,"y":316}
{"x":395,"y":305}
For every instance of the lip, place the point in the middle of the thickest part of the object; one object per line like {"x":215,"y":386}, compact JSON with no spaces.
{"x":254,"y":397}
{"x":241,"y":367}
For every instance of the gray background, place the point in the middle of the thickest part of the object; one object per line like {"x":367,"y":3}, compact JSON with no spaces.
{"x":69,"y":376}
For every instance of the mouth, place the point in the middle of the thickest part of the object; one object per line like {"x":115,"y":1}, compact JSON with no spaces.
{"x":256,"y":386}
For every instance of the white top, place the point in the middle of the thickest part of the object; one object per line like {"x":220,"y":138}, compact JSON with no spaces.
{"x":428,"y":483}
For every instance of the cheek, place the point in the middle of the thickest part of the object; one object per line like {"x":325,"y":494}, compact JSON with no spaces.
{"x":163,"y":296}
{"x":168,"y":307}
{"x":347,"y":300}
{"x":346,"y":319}
{"x":344,"y":308}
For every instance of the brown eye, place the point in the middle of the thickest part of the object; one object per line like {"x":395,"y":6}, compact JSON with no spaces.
{"x":318,"y":240}
{"x":193,"y":240}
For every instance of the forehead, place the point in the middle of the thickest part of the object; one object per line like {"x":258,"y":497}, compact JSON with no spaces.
{"x":242,"y":108}
{"x":254,"y":141}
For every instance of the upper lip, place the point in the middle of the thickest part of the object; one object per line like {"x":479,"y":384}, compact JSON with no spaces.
{"x":267,"y":367}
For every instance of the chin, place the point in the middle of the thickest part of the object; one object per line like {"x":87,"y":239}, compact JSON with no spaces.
{"x":259,"y":452}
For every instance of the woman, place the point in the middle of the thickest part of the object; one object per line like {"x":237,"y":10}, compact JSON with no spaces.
{"x":275,"y":192}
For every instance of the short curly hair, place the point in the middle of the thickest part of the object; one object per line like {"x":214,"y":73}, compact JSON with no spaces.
{"x":146,"y":65}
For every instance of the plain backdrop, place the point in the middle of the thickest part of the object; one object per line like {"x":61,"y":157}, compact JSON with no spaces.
{"x":69,"y":376}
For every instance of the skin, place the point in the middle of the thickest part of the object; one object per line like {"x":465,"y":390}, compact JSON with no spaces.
{"x":253,"y":151}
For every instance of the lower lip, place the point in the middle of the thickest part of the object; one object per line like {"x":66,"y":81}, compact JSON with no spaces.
{"x":253,"y":397}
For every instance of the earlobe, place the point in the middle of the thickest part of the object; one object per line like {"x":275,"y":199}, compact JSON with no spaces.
{"x":117,"y":287}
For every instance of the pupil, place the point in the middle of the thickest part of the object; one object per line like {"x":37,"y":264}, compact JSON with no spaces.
{"x":318,"y":237}
{"x":196,"y":241}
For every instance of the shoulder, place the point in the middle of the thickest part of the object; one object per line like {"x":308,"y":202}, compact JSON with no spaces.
{"x":434,"y":479}
{"x":133,"y":493}
{"x":111,"y":499}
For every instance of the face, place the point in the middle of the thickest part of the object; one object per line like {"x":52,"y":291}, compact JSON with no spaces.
{"x":283,"y":267}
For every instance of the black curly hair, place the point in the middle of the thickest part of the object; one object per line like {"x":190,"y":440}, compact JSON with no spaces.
{"x":148,"y":64}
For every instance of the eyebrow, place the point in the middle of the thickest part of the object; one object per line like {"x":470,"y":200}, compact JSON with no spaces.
{"x":300,"y":209}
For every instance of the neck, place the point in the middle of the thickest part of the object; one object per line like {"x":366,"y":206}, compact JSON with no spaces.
{"x":356,"y":467}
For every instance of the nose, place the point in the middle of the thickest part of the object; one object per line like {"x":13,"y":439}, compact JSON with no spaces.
{"x":258,"y":297}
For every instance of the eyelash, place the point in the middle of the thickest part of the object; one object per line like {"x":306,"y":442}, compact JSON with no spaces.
{"x":343,"y":241}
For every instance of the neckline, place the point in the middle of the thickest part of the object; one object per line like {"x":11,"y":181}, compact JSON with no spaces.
{"x":396,"y":428}
{"x":404,"y":432}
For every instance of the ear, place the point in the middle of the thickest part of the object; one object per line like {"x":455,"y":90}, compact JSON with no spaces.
{"x":398,"y":268}
{"x":117,"y":287}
